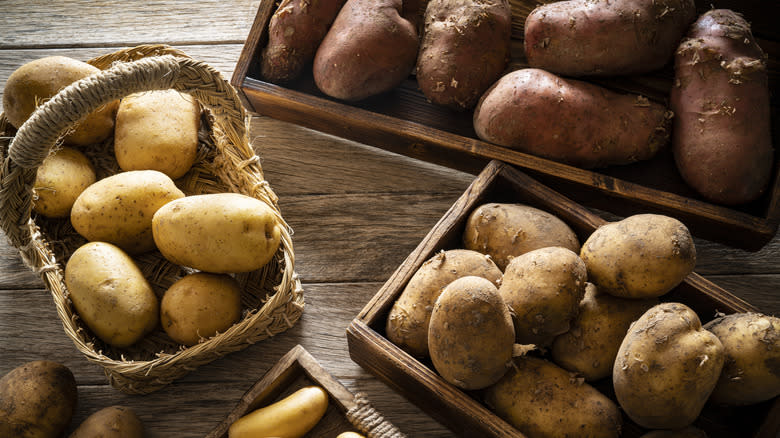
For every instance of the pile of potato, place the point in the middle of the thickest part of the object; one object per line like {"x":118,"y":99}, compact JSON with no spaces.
{"x":139,"y":209}
{"x":526,"y":319}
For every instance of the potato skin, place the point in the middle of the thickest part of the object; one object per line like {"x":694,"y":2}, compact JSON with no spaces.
{"x":666,"y":367}
{"x":292,"y":416}
{"x":590,"y":346}
{"x":751,"y":372}
{"x":504,"y":231}
{"x":570,"y":121}
{"x":721,"y":137}
{"x":409,"y":318}
{"x":641,"y":256}
{"x":61,"y":178}
{"x":543,"y":400}
{"x":470,"y":337}
{"x":295,"y":31}
{"x":37,"y":400}
{"x":464,"y":49}
{"x":110,"y":422}
{"x":543,"y":289}
{"x":370,"y":49}
{"x":606,"y":38}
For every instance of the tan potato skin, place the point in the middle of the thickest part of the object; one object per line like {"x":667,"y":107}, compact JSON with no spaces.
{"x":290,"y":417}
{"x":543,"y":400}
{"x":721,"y":137}
{"x":409,"y":318}
{"x":751,"y":372}
{"x":667,"y":367}
{"x":543,"y":289}
{"x":570,"y":121}
{"x":470,"y":337}
{"x":504,"y":231}
{"x":605,"y":38}
{"x":111,"y":422}
{"x":590,"y":346}
{"x":61,"y":178}
{"x":37,"y":400}
{"x":641,"y":256}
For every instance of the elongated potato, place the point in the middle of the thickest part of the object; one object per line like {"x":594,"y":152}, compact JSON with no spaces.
{"x":614,"y":37}
{"x":290,"y":417}
{"x":721,"y":137}
{"x":570,"y":121}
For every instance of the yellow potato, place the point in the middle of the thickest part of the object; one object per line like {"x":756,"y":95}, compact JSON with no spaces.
{"x":110,"y":422}
{"x":199,"y":306}
{"x":219,"y":233}
{"x":61,"y":178}
{"x":157,"y":130}
{"x":110,"y":293}
{"x":291,"y":417}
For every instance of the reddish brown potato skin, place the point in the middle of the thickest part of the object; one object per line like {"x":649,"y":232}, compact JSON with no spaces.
{"x":721,"y":136}
{"x":464,"y":50}
{"x":605,"y":37}
{"x":370,"y":49}
{"x":570,"y":121}
{"x":295,"y":31}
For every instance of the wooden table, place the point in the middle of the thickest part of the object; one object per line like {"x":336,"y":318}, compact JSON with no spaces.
{"x":356,"y":210}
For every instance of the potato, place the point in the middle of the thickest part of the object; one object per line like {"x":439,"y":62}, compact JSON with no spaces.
{"x":219,"y":232}
{"x":686,"y":432}
{"x":590,"y":346}
{"x":541,"y":399}
{"x":666,"y":367}
{"x":606,"y":38}
{"x":199,"y":306}
{"x":504,"y":230}
{"x":157,"y":130}
{"x":61,"y":178}
{"x":570,"y":121}
{"x":290,"y":417}
{"x":111,"y":422}
{"x":350,"y":434}
{"x":35,"y":82}
{"x":464,"y":49}
{"x":118,"y":209}
{"x":543,"y":289}
{"x":641,"y":256}
{"x":295,"y":32}
{"x":370,"y":49}
{"x":410,"y":316}
{"x":109,"y":292}
{"x":37,"y":400}
{"x":721,"y":135}
{"x":751,"y":372}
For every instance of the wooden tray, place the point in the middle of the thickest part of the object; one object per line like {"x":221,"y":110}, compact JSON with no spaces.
{"x":403,"y":121}
{"x":463,"y":412}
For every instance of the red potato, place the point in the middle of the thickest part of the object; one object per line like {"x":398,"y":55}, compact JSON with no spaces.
{"x":570,"y":121}
{"x":295,"y":32}
{"x":721,"y":135}
{"x":606,"y":37}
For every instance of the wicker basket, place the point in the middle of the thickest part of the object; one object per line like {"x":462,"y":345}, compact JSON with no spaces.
{"x":272,"y":296}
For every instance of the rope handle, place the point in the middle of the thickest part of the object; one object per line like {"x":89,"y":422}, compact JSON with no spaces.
{"x":39,"y":135}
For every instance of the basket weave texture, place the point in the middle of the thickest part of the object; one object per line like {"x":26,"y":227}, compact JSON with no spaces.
{"x":272,"y":296}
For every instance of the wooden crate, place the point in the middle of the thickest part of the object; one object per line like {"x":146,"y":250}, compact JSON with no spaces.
{"x":463,"y":412}
{"x":403,"y":121}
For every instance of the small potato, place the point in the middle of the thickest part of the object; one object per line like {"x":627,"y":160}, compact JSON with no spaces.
{"x":111,"y":422}
{"x":110,"y":293}
{"x":641,"y":256}
{"x":118,"y":209}
{"x":199,"y":306}
{"x":666,"y":367}
{"x":157,"y":130}
{"x":220,"y":233}
{"x":751,"y":372}
{"x":37,"y":400}
{"x":410,"y":316}
{"x":61,"y":178}
{"x":470,"y":337}
{"x":543,"y":400}
{"x":291,"y":417}
{"x":590,"y":346}
{"x":508,"y":230}
{"x":543,"y":289}
{"x":350,"y":435}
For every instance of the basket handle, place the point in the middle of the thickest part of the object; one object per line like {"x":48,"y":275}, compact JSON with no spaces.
{"x":39,"y":135}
